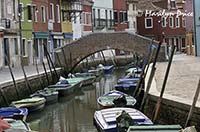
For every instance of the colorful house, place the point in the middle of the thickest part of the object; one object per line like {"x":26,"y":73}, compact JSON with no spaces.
{"x":40,"y":28}
{"x":87,"y":17}
{"x":66,"y":23}
{"x":54,"y":25}
{"x":26,"y":31}
{"x":9,"y":45}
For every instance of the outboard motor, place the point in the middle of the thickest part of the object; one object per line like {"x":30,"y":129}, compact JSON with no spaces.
{"x":124,"y":120}
{"x":120,"y":101}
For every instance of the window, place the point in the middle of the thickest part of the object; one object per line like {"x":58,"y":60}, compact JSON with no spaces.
{"x":115,"y":16}
{"x":29,"y":13}
{"x":16,"y":46}
{"x":106,"y":14}
{"x":43,"y":14}
{"x":111,"y":19}
{"x":99,"y":22}
{"x":173,"y":4}
{"x":171,"y":22}
{"x":58,"y":13}
{"x":75,"y":17}
{"x":21,"y":6}
{"x":94,"y":17}
{"x":35,"y":12}
{"x":183,"y":43}
{"x":23,"y":47}
{"x":51,"y":12}
{"x":14,"y":9}
{"x":148,"y":22}
{"x":177,"y":22}
{"x":183,"y":22}
{"x":123,"y":16}
{"x":164,"y":22}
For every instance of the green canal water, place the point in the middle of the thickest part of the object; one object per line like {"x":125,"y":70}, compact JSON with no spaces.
{"x":74,"y":113}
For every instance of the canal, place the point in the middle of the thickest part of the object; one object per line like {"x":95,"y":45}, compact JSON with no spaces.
{"x":74,"y":113}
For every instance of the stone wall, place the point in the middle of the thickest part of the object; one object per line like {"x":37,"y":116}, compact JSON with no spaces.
{"x":8,"y":93}
{"x":172,"y":112}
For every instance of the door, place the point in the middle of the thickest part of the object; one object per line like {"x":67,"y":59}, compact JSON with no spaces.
{"x":6,"y":51}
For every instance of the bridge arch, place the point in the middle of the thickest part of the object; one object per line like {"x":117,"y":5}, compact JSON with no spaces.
{"x":71,"y":54}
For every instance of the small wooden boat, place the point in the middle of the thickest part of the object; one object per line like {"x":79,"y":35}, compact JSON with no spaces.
{"x":66,"y":86}
{"x":86,"y":78}
{"x":108,"y":69}
{"x":14,"y":112}
{"x":32,"y":104}
{"x":133,"y":72}
{"x":51,"y":95}
{"x":106,"y":120}
{"x":97,"y":72}
{"x":107,"y":100}
{"x":155,"y":128}
{"x":17,"y":126}
{"x":127,"y":85}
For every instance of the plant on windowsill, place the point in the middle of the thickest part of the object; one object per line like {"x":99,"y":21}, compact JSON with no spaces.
{"x":111,"y":28}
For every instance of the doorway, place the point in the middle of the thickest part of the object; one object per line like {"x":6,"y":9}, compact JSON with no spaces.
{"x":6,"y":51}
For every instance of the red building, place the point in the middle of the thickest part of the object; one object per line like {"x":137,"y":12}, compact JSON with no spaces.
{"x":54,"y":24}
{"x":40,"y":28}
{"x":87,"y":16}
{"x":120,"y":15}
{"x":162,"y":22}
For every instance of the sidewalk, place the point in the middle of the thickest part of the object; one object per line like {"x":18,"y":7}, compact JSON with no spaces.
{"x":182,"y":81}
{"x":5,"y":75}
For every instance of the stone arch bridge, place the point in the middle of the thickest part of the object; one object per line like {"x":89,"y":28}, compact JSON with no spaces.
{"x":70,"y":55}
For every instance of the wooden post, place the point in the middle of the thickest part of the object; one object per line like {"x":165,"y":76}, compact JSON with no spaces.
{"x":26,"y":80}
{"x":13,"y":78}
{"x":114,"y":59}
{"x":104,"y":59}
{"x":57,"y":56}
{"x":70,"y":59}
{"x":150,"y":77}
{"x":164,"y":84}
{"x":52,"y":64}
{"x":45,"y":73}
{"x":143,"y":74}
{"x":193,"y":104}
{"x":50,"y":68}
{"x":65,"y":59}
{"x":41,"y":84}
{"x":4,"y":97}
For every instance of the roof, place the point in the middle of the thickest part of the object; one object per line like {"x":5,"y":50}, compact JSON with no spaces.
{"x":155,"y":128}
{"x":148,"y":5}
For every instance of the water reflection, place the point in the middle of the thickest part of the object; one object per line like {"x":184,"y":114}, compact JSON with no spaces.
{"x":73,"y":113}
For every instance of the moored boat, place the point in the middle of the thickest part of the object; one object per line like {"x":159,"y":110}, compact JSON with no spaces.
{"x":155,"y":128}
{"x":66,"y":86}
{"x":32,"y":104}
{"x":127,"y":85}
{"x":17,"y":126}
{"x":108,"y":69}
{"x":86,"y":78}
{"x":14,"y":112}
{"x":51,"y":95}
{"x":106,"y":120}
{"x":107,"y":100}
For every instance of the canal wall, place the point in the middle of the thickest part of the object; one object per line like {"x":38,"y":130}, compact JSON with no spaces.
{"x":172,"y":112}
{"x":9,"y":93}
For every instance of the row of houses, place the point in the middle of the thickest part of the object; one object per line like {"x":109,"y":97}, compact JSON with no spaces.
{"x":28,"y":25}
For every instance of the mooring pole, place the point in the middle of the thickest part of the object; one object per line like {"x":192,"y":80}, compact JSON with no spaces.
{"x":104,"y":59}
{"x":65,"y":59}
{"x":150,"y":77}
{"x":57,"y":56}
{"x":48,"y":55}
{"x":193,"y":104}
{"x":39,"y":75}
{"x":143,"y":74}
{"x":26,"y":80}
{"x":45,"y":72}
{"x":13,"y":78}
{"x":164,"y":84}
{"x":70,"y":59}
{"x":50,"y":67}
{"x":114,"y":59}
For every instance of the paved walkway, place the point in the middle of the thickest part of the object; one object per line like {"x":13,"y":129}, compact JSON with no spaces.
{"x":5,"y":75}
{"x":182,"y":81}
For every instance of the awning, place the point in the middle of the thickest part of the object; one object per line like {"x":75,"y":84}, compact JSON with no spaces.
{"x":57,"y":35}
{"x":41,"y":35}
{"x":68,"y":35}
